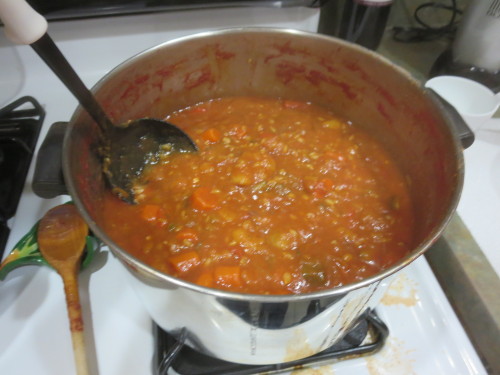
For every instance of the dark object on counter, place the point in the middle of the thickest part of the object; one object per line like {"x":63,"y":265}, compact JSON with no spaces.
{"x":366,"y":337}
{"x":360,"y":22}
{"x":20,"y":124}
{"x":48,"y":181}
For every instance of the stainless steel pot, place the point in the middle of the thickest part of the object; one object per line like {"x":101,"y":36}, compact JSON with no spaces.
{"x":352,"y":81}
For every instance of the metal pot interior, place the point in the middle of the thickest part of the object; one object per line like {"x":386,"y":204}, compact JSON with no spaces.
{"x":353,"y":82}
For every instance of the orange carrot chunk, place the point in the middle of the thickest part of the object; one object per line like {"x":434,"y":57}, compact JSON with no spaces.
{"x":151,"y":212}
{"x":183,"y":262}
{"x":204,"y":199}
{"x":228,"y":276}
{"x":205,"y":279}
{"x":212,"y":135}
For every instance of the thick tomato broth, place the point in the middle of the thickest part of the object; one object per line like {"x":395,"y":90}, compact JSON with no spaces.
{"x":282,"y":197}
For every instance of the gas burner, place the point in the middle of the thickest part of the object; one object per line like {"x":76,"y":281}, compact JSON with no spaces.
{"x":366,"y":337}
{"x":20,"y":124}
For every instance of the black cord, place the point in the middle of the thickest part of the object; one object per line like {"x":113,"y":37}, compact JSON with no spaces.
{"x":427,"y":32}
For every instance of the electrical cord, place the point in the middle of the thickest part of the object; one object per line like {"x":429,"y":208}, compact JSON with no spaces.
{"x":426,"y":32}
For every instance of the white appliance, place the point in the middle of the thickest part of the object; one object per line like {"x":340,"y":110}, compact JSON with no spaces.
{"x":477,"y":43}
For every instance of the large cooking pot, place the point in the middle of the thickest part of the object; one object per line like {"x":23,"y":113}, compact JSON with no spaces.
{"x":355,"y":83}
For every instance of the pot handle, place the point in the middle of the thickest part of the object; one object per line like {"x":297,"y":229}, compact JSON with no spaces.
{"x":48,"y":179}
{"x":464,"y":133}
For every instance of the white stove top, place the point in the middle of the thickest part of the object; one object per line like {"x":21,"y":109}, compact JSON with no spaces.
{"x":425,"y":334}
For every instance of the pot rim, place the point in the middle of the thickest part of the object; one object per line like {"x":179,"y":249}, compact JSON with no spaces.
{"x":125,"y":257}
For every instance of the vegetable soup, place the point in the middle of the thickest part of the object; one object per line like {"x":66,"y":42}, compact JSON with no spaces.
{"x":282,"y":197}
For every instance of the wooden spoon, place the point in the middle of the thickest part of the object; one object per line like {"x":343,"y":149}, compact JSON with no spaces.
{"x":61,"y":239}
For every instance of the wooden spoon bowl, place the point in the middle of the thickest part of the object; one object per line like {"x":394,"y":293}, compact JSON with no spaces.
{"x":61,"y":239}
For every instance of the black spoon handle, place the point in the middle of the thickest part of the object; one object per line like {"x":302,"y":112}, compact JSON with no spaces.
{"x":53,"y":57}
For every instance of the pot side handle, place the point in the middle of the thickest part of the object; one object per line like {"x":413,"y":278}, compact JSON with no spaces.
{"x":48,"y":179}
{"x":464,"y":133}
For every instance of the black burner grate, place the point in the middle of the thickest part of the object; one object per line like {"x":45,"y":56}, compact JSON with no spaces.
{"x":367,"y":336}
{"x":20,"y":124}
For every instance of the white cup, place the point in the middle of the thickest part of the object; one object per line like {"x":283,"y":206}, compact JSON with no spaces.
{"x":475,"y":102}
